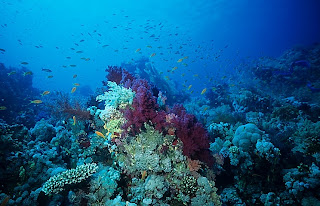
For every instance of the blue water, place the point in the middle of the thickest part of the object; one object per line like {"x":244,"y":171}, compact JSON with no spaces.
{"x":233,"y":30}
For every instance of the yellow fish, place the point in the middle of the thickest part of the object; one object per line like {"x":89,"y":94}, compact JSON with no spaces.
{"x":205,"y":109}
{"x":153,"y":54}
{"x":37,"y":101}
{"x":138,"y":50}
{"x":180,"y":60}
{"x":74,"y":120}
{"x":76,"y":84}
{"x":100,"y":134}
{"x":174,"y":68}
{"x":189,"y":87}
{"x":204,"y":90}
{"x":186,"y":57}
{"x":3,"y":108}
{"x":167,"y":77}
{"x":45,"y":93}
{"x":73,"y":89}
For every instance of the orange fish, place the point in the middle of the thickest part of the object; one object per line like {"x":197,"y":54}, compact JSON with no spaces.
{"x":45,"y":93}
{"x":138,"y":50}
{"x":153,"y":54}
{"x":204,"y":90}
{"x":76,"y":84}
{"x":75,"y":76}
{"x":73,"y":89}
{"x":37,"y":101}
{"x":100,"y":134}
{"x":74,"y":120}
{"x":143,"y":174}
{"x":180,"y":60}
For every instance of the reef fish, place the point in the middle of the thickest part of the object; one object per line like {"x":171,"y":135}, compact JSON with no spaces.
{"x":46,"y":70}
{"x":144,"y":174}
{"x":45,"y":93}
{"x":74,"y":76}
{"x":3,"y":108}
{"x":138,"y":50}
{"x":27,"y":73}
{"x":100,"y":134}
{"x":25,"y":63}
{"x":204,"y":91}
{"x":37,"y":101}
{"x":74,"y":120}
{"x":73,"y":89}
{"x":11,"y":73}
{"x":153,"y":54}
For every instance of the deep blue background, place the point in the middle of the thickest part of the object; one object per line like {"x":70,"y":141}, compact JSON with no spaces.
{"x":215,"y":35}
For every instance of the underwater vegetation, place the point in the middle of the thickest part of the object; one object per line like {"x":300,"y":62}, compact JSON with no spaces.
{"x":139,"y":141}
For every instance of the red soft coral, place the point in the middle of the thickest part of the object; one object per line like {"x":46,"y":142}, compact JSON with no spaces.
{"x":194,"y":137}
{"x":144,"y":109}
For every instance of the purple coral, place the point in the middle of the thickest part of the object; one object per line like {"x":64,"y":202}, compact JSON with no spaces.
{"x":144,"y":108}
{"x":118,"y":75}
{"x":194,"y":137}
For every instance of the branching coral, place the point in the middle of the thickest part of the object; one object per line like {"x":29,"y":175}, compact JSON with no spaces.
{"x":57,"y":183}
